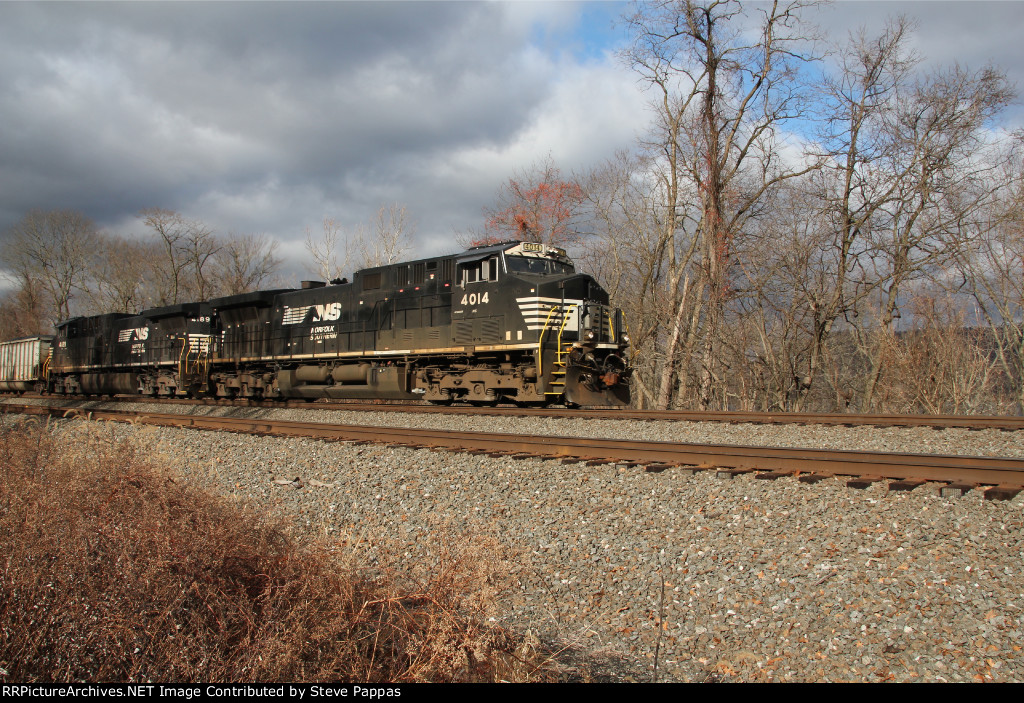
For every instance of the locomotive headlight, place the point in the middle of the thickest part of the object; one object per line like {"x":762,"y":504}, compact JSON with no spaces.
{"x":625,"y":339}
{"x":590,"y":335}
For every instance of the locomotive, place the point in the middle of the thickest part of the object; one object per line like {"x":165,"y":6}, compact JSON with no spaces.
{"x":511,"y":322}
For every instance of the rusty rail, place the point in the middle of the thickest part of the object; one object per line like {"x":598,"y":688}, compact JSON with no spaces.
{"x":975,"y":422}
{"x":994,"y":471}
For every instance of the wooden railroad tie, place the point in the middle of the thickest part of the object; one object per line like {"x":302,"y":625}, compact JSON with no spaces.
{"x":862,"y":482}
{"x":813,"y":478}
{"x":773,"y":475}
{"x":907,"y":484}
{"x":1002,"y":492}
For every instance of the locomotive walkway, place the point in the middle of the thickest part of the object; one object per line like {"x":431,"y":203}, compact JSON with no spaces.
{"x":1003,"y":477}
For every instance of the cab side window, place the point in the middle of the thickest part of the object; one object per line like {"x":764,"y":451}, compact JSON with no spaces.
{"x":470,"y":272}
{"x":479,"y":271}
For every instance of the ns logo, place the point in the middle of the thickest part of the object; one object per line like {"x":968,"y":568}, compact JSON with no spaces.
{"x":327,"y":312}
{"x":138,"y":333}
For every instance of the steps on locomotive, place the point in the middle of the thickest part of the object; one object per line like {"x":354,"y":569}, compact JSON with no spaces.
{"x":559,"y":371}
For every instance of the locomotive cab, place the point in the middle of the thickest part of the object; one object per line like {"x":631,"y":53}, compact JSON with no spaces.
{"x":568,"y":344}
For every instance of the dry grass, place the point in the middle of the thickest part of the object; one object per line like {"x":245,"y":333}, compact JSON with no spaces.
{"x":114,"y":570}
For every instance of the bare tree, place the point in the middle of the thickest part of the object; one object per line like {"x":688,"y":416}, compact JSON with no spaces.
{"x":904,"y":167}
{"x":939,"y":364}
{"x":330,"y":251}
{"x":187,"y":247}
{"x":859,"y":100}
{"x":941,"y":179}
{"x":760,"y":280}
{"x":386,"y":241}
{"x":120,"y":268}
{"x":724,"y":84}
{"x":640,"y":259}
{"x":390,"y":239}
{"x":785,"y":268}
{"x":201,"y":245}
{"x":992,"y":264}
{"x":244,"y":263}
{"x":51,"y":249}
{"x":23,"y":311}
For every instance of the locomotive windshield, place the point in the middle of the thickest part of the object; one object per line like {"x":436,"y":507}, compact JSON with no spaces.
{"x":528,"y":264}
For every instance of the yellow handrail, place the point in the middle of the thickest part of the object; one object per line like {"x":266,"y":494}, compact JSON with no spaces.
{"x":201,"y":363}
{"x":565,"y":319}
{"x":183,"y":358}
{"x":561,"y":330}
{"x":540,"y":341}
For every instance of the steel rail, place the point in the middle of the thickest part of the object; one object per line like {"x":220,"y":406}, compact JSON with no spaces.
{"x":975,"y":422}
{"x":1003,"y":471}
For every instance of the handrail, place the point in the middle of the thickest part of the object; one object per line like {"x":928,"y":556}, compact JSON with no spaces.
{"x":540,"y":341}
{"x":183,"y":358}
{"x":201,"y":362}
{"x":565,"y":319}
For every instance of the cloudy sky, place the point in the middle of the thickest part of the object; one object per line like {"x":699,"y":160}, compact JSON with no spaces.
{"x":267,"y":117}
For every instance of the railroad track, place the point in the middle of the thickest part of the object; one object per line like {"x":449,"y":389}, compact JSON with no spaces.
{"x":974,"y":422}
{"x":1003,"y":477}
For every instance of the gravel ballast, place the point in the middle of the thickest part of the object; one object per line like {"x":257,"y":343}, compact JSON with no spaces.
{"x":736,"y":579}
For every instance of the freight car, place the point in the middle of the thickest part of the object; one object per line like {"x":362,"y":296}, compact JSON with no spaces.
{"x":23,"y":364}
{"x":511,"y":321}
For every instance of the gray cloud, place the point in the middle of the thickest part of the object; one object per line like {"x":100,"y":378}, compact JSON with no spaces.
{"x":113,"y":107}
{"x":267,"y":117}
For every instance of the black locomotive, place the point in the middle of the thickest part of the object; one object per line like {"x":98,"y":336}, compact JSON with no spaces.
{"x":510,"y":322}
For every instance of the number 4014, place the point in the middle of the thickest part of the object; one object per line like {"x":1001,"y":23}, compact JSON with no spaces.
{"x":474,"y":298}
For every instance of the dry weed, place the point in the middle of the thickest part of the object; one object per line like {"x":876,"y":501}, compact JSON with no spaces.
{"x":113,"y":570}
